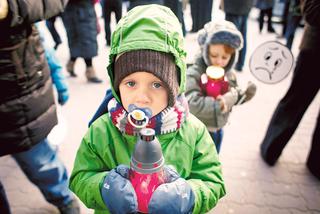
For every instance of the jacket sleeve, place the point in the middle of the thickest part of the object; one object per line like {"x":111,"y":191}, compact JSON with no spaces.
{"x":103,"y":108}
{"x":206,"y":175}
{"x":97,"y":155}
{"x":311,"y":11}
{"x":55,"y":66}
{"x":88,"y":173}
{"x":200,"y":105}
{"x":30,"y":11}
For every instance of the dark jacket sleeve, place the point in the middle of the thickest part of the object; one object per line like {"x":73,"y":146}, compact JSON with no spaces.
{"x":103,"y":108}
{"x":30,"y":11}
{"x":311,"y":12}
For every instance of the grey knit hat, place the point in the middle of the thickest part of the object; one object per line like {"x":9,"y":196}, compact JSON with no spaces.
{"x":219,"y":32}
{"x":157,"y":63}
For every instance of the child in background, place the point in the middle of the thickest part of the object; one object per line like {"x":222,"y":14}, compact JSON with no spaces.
{"x":219,"y":42}
{"x":56,"y":70}
{"x":147,"y":71}
{"x":57,"y":76}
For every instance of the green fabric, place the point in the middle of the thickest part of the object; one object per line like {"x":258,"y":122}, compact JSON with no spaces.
{"x":190,"y":150}
{"x":161,"y":32}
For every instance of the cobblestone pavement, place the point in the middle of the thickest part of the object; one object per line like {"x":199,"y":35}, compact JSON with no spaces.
{"x":252,"y":186}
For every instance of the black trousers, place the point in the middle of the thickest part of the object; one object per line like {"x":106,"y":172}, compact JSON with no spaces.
{"x":267,"y":12}
{"x":304,"y":87}
{"x":134,"y":3}
{"x":176,"y":7}
{"x":4,"y":205}
{"x":200,"y":13}
{"x":109,"y":6}
{"x":52,"y":29}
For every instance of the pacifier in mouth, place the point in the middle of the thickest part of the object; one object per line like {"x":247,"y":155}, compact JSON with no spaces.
{"x":138,"y":117}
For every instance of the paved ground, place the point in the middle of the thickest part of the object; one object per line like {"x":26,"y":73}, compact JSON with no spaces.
{"x":252,"y":186}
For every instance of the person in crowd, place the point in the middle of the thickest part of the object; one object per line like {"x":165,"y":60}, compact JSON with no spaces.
{"x":237,"y":12}
{"x":200,"y":13}
{"x":80,"y":21}
{"x":219,"y":42}
{"x":27,"y":103}
{"x":4,"y":204}
{"x":147,"y":73}
{"x":56,"y":69}
{"x":266,"y":7}
{"x":302,"y":90}
{"x":294,"y":19}
{"x":284,"y":16}
{"x":134,"y":3}
{"x":53,"y":31}
{"x":109,"y":6}
{"x":176,"y":7}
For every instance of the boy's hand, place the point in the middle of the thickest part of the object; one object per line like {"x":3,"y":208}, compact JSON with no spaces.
{"x":170,"y":173}
{"x":221,"y":104}
{"x":118,"y":193}
{"x":173,"y":197}
{"x":224,"y":103}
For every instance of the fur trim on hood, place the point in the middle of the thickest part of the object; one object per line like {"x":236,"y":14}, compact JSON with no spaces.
{"x":220,"y":32}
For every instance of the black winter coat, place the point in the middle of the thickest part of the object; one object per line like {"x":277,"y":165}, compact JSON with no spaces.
{"x":27,"y":109}
{"x":80,"y":21}
{"x":237,"y":7}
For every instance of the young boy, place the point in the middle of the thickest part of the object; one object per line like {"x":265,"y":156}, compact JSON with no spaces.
{"x":219,"y":42}
{"x":147,"y":71}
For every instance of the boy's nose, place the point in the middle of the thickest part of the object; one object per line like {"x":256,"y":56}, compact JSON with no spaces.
{"x":143,"y":96}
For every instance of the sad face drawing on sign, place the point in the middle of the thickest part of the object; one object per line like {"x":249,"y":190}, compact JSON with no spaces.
{"x":271,"y":62}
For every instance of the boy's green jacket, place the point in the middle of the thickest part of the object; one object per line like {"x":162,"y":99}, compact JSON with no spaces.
{"x":190,"y":149}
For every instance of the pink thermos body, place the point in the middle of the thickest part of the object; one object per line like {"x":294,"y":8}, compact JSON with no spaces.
{"x":146,"y":167}
{"x":215,"y":83}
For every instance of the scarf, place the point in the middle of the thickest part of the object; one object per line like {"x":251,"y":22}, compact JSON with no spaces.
{"x":168,"y":120}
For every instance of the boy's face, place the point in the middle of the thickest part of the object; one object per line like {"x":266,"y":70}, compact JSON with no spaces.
{"x":143,"y":89}
{"x":218,"y":55}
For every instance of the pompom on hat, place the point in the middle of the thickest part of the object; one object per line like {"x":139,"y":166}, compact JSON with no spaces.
{"x":158,"y":63}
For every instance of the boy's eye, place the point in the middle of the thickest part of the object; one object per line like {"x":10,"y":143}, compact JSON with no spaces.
{"x":157,"y":85}
{"x":131,"y":84}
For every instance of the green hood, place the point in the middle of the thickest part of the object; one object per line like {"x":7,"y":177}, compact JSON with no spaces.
{"x":151,"y":27}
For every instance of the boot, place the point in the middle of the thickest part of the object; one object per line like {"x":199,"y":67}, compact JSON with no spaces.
{"x":70,"y":68}
{"x":260,"y":26}
{"x":261,"y":21}
{"x":56,"y":45}
{"x":91,"y":75}
{"x":271,"y":29}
